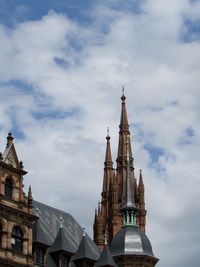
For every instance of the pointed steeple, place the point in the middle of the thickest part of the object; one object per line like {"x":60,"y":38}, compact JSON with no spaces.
{"x":129,"y":208}
{"x":108,"y":168}
{"x":123,"y":133}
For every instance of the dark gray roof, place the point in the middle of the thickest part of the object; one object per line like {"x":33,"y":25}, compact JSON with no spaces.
{"x":62,"y":243}
{"x":131,"y":241}
{"x":38,"y":234}
{"x":84,"y":251}
{"x":106,"y":258}
{"x":49,"y":225}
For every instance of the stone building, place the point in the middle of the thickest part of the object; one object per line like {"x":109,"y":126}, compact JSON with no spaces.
{"x":34,"y":234}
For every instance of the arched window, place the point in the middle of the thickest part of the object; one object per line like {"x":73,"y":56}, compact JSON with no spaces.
{"x":8,"y":187}
{"x":17,"y":239}
{"x":1,"y":234}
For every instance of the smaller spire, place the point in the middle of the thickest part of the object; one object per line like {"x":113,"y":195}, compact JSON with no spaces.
{"x":30,"y":197}
{"x":61,"y":221}
{"x":9,"y":139}
{"x":108,"y":157}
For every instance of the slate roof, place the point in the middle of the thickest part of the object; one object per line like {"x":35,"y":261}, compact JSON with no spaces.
{"x":62,"y":243}
{"x":48,"y":226}
{"x":84,"y":251}
{"x":105,"y":259}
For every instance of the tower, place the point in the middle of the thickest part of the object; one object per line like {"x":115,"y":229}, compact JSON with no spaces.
{"x":130,"y":246}
{"x":16,"y":217}
{"x":108,"y":219}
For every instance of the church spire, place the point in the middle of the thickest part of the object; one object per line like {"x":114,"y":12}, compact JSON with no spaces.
{"x":123,"y":133}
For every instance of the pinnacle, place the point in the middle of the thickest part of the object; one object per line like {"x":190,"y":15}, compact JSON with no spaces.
{"x":141,"y":178}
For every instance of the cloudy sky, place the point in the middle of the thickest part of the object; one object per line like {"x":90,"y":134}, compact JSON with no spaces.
{"x":62,"y":67}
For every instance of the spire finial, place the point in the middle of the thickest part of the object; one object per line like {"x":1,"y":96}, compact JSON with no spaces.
{"x":61,"y":221}
{"x":123,"y":96}
{"x":108,"y":134}
{"x":84,"y":231}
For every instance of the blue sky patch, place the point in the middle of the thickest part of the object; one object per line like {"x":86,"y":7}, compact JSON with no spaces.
{"x":187,"y":137}
{"x":18,"y":84}
{"x":191,"y":31}
{"x":55,"y":114}
{"x":154,"y":151}
{"x":16,"y":11}
{"x":61,"y":62}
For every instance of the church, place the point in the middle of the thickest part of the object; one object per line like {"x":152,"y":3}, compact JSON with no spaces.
{"x":35,"y":234}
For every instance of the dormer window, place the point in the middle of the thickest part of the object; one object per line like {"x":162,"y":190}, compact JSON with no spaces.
{"x":64,"y":262}
{"x":17,"y":239}
{"x":39,"y":255}
{"x":8,"y":187}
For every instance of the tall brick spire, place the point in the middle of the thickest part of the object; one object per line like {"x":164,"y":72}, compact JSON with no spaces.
{"x":109,"y":218}
{"x":124,"y":135}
